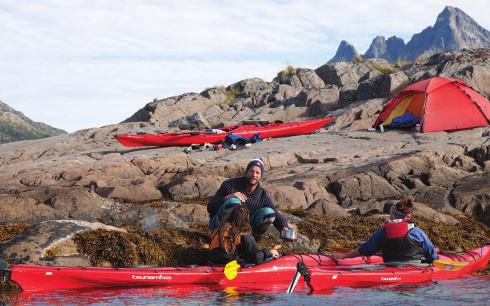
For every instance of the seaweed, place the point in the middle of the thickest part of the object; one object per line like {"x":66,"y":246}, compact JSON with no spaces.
{"x":161,"y":247}
{"x":9,"y":231}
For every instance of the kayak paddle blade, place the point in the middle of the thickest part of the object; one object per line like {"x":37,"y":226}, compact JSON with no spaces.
{"x":231,"y":269}
{"x":449,"y":265}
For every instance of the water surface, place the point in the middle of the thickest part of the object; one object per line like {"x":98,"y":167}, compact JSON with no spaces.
{"x":474,"y":290}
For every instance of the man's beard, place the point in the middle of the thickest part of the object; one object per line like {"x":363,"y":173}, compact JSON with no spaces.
{"x":252,"y":182}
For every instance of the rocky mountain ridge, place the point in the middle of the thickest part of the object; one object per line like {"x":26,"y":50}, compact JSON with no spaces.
{"x":453,"y":30}
{"x":15,"y":126}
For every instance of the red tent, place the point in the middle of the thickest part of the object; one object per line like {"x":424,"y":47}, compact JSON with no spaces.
{"x":438,"y":104}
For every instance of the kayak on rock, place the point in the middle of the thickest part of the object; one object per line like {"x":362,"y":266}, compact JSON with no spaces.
{"x":324,"y":273}
{"x":248,"y":129}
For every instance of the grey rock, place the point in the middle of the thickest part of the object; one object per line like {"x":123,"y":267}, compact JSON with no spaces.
{"x":472,"y":196}
{"x":162,"y":214}
{"x":54,"y":202}
{"x":301,"y":78}
{"x":383,"y":86}
{"x":347,"y":96}
{"x":254,"y":87}
{"x":362,"y":188}
{"x":471,"y":66}
{"x":215,"y":93}
{"x":38,"y":244}
{"x":343,"y":74}
{"x":325,"y":207}
{"x":160,"y":113}
{"x":321,"y":101}
{"x":196,"y":121}
{"x":192,"y":186}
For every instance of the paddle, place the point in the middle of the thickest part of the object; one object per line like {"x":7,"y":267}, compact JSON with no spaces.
{"x":449,"y":265}
{"x":231,"y":269}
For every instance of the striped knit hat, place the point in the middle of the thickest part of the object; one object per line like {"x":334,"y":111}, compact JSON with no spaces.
{"x":255,"y":162}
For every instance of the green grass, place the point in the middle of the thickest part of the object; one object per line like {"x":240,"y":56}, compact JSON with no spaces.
{"x":230,"y":95}
{"x":382,"y":69}
{"x":401,"y":63}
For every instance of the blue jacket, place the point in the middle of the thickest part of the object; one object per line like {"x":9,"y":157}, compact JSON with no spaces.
{"x":373,"y":245}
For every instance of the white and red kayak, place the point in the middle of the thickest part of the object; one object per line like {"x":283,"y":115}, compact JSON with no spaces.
{"x":263,"y":129}
{"x":325,"y":273}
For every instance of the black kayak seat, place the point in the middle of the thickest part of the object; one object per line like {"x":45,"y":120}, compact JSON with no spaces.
{"x":404,"y":263}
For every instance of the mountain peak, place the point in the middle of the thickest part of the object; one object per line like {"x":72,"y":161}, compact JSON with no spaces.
{"x":453,"y":15}
{"x":390,"y":50}
{"x":345,"y":52}
{"x":449,"y":11}
{"x":453,"y":30}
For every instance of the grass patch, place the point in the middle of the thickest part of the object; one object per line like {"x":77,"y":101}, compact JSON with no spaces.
{"x":401,"y":63}
{"x":287,"y":72}
{"x":380,"y":68}
{"x":230,"y":95}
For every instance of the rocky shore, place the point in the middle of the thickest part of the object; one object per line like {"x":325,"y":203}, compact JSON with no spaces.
{"x":83,"y":199}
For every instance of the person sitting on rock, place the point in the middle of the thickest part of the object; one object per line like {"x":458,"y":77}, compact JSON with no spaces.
{"x":247,"y":191}
{"x":232,"y":241}
{"x":398,"y":240}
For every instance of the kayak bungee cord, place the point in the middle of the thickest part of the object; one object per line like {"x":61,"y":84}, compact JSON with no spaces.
{"x":302,"y":270}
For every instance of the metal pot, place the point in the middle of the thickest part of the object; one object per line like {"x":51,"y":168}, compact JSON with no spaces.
{"x":289,"y":235}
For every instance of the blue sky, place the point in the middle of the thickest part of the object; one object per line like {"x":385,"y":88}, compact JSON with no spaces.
{"x":81,"y":64}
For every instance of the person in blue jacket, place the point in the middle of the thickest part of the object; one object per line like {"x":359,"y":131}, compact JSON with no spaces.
{"x":398,"y":240}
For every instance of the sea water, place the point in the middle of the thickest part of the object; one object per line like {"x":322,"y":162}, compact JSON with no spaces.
{"x":470,"y":291}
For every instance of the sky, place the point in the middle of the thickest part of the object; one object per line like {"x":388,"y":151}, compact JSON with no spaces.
{"x":88,"y":63}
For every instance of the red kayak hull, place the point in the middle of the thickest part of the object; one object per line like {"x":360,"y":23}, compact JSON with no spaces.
{"x":325,"y":278}
{"x":272,"y":130}
{"x":277,"y":274}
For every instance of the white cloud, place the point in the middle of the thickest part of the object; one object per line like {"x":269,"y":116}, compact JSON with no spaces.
{"x":77,"y":64}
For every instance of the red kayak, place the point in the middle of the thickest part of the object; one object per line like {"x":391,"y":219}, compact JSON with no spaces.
{"x":324,"y":278}
{"x":325,"y":273}
{"x":264,"y":129}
